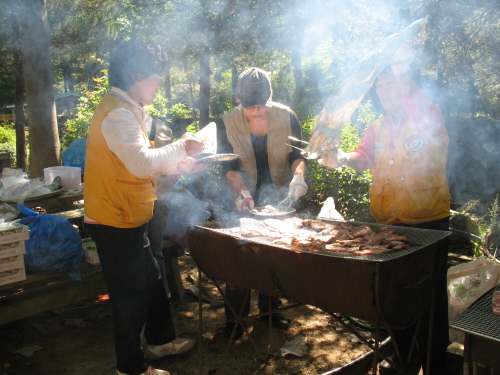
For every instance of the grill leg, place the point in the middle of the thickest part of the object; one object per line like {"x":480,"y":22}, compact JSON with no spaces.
{"x":270,"y":325}
{"x":376,"y":349}
{"x":429,"y":339}
{"x":200,"y":317}
{"x":466,"y":354}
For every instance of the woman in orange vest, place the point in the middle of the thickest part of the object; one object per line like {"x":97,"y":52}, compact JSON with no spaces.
{"x":120,"y":186}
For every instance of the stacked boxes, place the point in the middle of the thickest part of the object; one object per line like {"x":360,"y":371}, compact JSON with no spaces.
{"x":12,"y":237}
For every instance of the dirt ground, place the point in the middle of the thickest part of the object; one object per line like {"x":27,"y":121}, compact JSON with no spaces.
{"x":77,"y":340}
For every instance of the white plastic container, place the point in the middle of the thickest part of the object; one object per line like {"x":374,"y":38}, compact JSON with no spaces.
{"x":71,"y":177}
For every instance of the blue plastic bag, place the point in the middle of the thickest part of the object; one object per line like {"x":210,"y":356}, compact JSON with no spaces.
{"x":74,"y":155}
{"x":54,"y":246}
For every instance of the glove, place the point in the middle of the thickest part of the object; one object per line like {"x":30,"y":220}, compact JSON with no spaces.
{"x":334,"y":159}
{"x":244,"y":203}
{"x":400,"y":62}
{"x":298,"y":187}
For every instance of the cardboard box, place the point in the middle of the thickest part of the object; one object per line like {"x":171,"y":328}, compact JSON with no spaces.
{"x":12,"y":248}
{"x":13,"y":231}
{"x":12,"y":276}
{"x":90,"y":251}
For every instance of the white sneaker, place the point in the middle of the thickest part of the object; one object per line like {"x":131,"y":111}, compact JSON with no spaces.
{"x":178,"y":346}
{"x":149,"y":371}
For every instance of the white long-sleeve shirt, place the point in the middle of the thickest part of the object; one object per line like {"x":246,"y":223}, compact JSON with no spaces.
{"x":126,"y":138}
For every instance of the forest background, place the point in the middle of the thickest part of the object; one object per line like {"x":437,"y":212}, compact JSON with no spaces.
{"x":50,"y":47}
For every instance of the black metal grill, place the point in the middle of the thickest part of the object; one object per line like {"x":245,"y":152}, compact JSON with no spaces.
{"x":418,"y":238}
{"x":392,"y":288}
{"x":479,"y":319}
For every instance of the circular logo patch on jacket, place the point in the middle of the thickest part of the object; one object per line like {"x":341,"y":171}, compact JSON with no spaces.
{"x":414,"y":143}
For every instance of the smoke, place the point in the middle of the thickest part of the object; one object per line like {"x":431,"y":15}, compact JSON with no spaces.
{"x":329,"y":35}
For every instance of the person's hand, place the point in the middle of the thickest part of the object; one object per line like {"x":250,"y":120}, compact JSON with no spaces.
{"x":193,"y":146}
{"x":244,"y":202}
{"x":298,"y":187}
{"x":189,"y":166}
{"x":334,"y":159}
{"x":400,"y":62}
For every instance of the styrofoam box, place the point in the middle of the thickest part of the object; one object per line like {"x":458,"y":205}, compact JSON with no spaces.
{"x":19,"y":263}
{"x":12,"y":249}
{"x":71,"y":177}
{"x":11,"y":276}
{"x":13,"y":231}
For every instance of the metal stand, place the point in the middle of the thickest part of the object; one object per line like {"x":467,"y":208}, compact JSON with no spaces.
{"x":239,"y":321}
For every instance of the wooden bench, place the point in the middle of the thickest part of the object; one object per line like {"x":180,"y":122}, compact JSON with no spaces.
{"x":41,"y":292}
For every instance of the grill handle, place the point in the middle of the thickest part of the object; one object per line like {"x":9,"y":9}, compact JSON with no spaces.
{"x":468,"y":235}
{"x":418,"y":283}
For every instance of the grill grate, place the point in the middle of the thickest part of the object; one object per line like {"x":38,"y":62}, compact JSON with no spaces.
{"x":419,"y":238}
{"x":479,"y":319}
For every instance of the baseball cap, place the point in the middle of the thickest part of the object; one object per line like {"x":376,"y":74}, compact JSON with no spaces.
{"x":254,"y":88}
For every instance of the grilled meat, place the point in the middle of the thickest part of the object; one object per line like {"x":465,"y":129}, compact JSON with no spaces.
{"x":316,"y":235}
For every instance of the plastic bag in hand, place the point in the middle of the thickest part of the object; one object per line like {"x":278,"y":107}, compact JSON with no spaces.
{"x":402,"y":60}
{"x":334,"y":159}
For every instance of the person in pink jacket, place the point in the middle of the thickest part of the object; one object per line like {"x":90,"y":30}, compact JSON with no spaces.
{"x":406,"y":153}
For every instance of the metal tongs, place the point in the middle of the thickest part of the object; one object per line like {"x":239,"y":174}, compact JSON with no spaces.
{"x":283,"y":202}
{"x":305,"y":153}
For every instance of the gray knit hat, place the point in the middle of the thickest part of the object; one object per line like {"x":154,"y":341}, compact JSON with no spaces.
{"x":254,"y":88}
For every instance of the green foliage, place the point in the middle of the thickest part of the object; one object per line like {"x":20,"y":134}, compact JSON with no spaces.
{"x":78,"y":127}
{"x":350,"y":188}
{"x":193,"y":128}
{"x":159,"y":108}
{"x":8,"y":140}
{"x":485,"y":223}
{"x":179,"y":110}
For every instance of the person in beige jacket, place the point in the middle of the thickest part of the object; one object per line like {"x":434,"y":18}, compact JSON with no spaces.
{"x":268,"y":169}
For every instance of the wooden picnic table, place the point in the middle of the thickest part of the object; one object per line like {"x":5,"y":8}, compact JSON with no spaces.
{"x":42,"y":292}
{"x":59,"y":203}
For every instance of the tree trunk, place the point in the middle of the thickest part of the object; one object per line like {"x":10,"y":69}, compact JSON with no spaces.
{"x":69,"y":84}
{"x":39,"y":80}
{"x":297,"y":73}
{"x":19,"y":112}
{"x":234,"y":83}
{"x":204,"y":87}
{"x":168,"y":86}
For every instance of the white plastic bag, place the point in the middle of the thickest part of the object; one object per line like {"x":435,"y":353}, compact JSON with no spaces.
{"x":466,"y":283}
